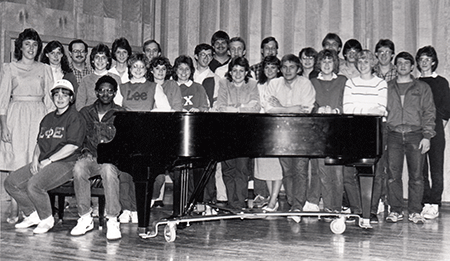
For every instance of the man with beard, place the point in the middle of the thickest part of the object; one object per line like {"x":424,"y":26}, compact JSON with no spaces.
{"x":78,"y":50}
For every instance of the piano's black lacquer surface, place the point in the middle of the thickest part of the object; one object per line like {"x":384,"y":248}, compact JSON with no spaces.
{"x":147,"y":143}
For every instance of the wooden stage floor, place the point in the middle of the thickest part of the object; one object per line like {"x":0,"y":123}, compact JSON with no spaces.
{"x":262,"y":239}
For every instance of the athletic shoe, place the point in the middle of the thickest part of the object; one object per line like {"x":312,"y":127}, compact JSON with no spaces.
{"x":134,"y":217}
{"x":416,"y":218}
{"x":31,"y":220}
{"x":125,"y":217}
{"x":373,"y":218}
{"x":394,"y":217}
{"x":45,"y":225}
{"x":430,"y":211}
{"x":113,"y":229}
{"x":84,"y":224}
{"x":346,"y":210}
{"x":310,"y":207}
{"x":296,"y":218}
{"x":328,"y":219}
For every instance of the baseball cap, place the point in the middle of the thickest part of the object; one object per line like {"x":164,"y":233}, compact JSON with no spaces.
{"x":65,"y":84}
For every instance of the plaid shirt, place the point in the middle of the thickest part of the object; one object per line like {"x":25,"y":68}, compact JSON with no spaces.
{"x":80,"y":74}
{"x":256,"y":69}
{"x":391,"y":74}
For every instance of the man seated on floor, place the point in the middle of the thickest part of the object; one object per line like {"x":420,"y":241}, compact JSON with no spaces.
{"x":99,"y":119}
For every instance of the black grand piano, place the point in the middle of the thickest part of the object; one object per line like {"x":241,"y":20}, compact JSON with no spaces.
{"x":148,"y":143}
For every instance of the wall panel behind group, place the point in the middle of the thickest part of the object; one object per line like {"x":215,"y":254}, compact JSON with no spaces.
{"x":179,"y":25}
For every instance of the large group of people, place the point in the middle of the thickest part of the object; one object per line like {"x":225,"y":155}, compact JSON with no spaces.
{"x":54,"y":111}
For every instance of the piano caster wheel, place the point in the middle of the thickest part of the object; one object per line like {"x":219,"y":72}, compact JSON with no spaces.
{"x":338,"y":226}
{"x":170,"y":232}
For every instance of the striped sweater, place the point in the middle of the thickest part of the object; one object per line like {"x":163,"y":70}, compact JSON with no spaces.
{"x":365,"y":97}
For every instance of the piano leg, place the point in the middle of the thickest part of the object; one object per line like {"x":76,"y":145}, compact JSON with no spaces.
{"x":144,"y":192}
{"x":198,"y":191}
{"x":180,"y":190}
{"x":366,"y":175}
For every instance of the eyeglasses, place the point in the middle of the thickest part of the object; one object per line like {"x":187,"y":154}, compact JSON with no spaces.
{"x":106,"y":91}
{"x":78,"y":51}
{"x":136,"y":66}
{"x":203,"y":55}
{"x":425,"y":59}
{"x":308,"y":58}
{"x":385,"y":53}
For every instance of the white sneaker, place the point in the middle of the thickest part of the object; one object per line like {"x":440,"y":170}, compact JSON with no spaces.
{"x":31,"y":220}
{"x":134,"y":217}
{"x":113,"y":229}
{"x":296,"y":218}
{"x":310,"y":207}
{"x":45,"y":225}
{"x":125,"y":217}
{"x":431,"y":212}
{"x":84,"y":224}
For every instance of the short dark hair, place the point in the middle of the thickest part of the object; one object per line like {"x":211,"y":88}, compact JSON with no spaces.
{"x":149,"y":42}
{"x":203,"y":47}
{"x":268,"y":60}
{"x":27,"y":34}
{"x":404,"y":55}
{"x":186,"y":60}
{"x":134,"y":58}
{"x":241,"y":61}
{"x":220,"y":35}
{"x":238,"y":39}
{"x":328,"y":53}
{"x":309,"y":52}
{"x":334,"y":37}
{"x":291,"y":58}
{"x":268,"y":40}
{"x":78,"y":41}
{"x":385,"y":43}
{"x":101,"y":48}
{"x":120,"y":43}
{"x":160,"y":60}
{"x":428,"y":51}
{"x":106,"y":79}
{"x":65,"y":67}
{"x":352,"y":43}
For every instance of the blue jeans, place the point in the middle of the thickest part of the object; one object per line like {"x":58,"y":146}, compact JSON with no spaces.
{"x":127,"y":196}
{"x":432,"y":193}
{"x":331,"y":179}
{"x":295,"y":179}
{"x":235,"y":173}
{"x":399,"y":145}
{"x":30,"y":191}
{"x":351,"y":187}
{"x":88,"y":167}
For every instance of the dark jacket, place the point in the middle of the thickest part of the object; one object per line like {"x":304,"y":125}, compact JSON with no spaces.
{"x":98,"y":131}
{"x":416,"y":114}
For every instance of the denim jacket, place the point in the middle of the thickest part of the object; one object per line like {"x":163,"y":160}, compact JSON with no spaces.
{"x":417,"y":112}
{"x":98,"y":131}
